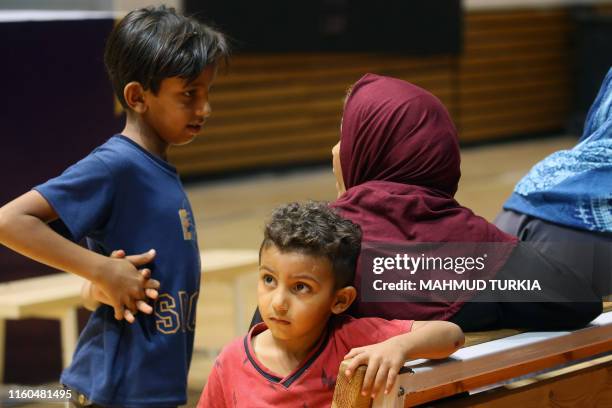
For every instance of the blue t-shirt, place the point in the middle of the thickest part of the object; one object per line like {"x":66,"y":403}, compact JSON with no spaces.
{"x":122,"y":197}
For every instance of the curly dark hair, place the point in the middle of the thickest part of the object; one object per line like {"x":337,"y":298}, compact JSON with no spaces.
{"x":154,"y":43}
{"x":315,"y":229}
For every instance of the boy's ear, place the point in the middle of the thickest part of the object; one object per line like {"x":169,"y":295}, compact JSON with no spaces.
{"x":134,"y":95}
{"x":344,"y":298}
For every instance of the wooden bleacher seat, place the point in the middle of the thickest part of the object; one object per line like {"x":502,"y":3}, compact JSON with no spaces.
{"x":479,"y":372}
{"x":231,"y":266}
{"x":55,"y":296}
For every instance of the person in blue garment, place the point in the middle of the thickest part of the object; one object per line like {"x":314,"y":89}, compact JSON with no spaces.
{"x":563,"y":206}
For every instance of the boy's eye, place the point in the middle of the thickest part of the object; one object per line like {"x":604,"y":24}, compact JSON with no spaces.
{"x":188,"y":93}
{"x":268,"y":280}
{"x":302,"y":288}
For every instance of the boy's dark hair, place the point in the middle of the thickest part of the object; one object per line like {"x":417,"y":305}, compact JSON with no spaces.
{"x":313,"y":228}
{"x":154,"y":43}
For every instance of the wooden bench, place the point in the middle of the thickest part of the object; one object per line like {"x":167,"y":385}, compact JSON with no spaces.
{"x":479,"y":373}
{"x":232,"y":266}
{"x":58,"y":296}
{"x":55,"y":296}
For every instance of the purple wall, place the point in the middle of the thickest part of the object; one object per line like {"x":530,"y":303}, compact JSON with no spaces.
{"x":56,"y":106}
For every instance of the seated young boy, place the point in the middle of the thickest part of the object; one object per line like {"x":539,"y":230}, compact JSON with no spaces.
{"x":307,"y":262}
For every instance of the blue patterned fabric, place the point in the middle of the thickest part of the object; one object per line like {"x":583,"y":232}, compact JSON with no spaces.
{"x":574,"y":187}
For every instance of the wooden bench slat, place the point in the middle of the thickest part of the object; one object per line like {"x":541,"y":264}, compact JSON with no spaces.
{"x":509,"y":357}
{"x":509,"y":32}
{"x":326,"y":73}
{"x":515,"y":47}
{"x":309,"y":154}
{"x":527,"y":16}
{"x":513,"y":101}
{"x":510,"y":129}
{"x":245,"y":62}
{"x":24,"y":297}
{"x":268,"y":145}
{"x":533,"y":56}
{"x":579,"y":385}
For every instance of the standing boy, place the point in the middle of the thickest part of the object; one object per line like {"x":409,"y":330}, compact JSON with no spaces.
{"x":126,"y":195}
{"x":306,"y":269}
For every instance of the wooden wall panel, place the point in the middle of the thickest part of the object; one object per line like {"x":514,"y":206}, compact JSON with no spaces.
{"x":514,"y":74}
{"x":513,"y":78}
{"x":283,"y":109}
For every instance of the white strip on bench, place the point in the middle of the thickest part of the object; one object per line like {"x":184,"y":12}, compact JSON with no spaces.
{"x":506,"y":343}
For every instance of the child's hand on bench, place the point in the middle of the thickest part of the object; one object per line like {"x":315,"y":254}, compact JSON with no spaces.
{"x":384,"y":360}
{"x":93,"y":295}
{"x":435,"y":339}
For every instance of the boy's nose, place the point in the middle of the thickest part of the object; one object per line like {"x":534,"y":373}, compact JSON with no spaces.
{"x":280,"y":303}
{"x":204,"y":110}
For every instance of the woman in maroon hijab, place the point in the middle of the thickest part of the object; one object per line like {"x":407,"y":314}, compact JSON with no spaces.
{"x":397,"y":167}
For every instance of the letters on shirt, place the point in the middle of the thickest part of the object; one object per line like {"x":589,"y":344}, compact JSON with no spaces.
{"x":174,"y":314}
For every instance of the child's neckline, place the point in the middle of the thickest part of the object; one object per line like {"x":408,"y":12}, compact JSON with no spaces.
{"x":294,"y":375}
{"x":158,"y":160}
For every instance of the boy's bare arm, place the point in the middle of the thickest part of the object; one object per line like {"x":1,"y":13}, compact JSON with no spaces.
{"x":434,"y":339}
{"x":23,"y":228}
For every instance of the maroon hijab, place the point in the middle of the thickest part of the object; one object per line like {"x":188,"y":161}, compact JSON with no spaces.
{"x":400,"y":160}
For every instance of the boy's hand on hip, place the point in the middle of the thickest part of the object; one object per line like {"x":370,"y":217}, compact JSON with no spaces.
{"x":384,"y":361}
{"x":151,"y":285}
{"x":123,"y":284}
